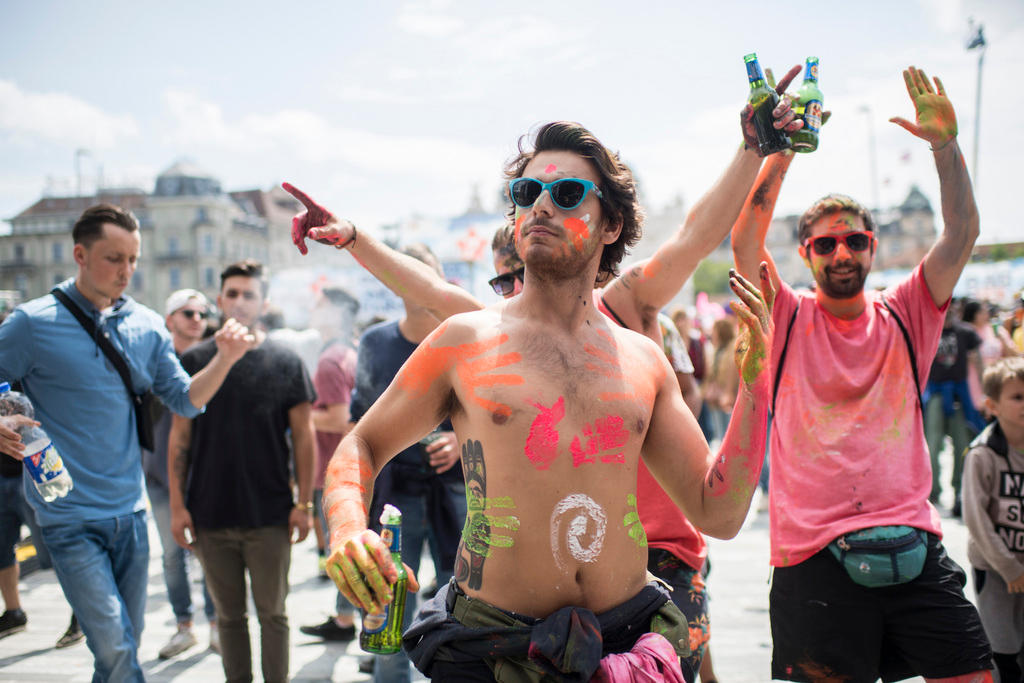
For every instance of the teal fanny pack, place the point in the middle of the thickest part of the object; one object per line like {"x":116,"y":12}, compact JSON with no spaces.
{"x":881,"y":555}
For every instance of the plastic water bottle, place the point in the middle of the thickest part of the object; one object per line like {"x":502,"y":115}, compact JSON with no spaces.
{"x":41,"y":458}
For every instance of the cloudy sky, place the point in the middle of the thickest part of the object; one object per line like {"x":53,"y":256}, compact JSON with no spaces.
{"x":388,"y":109}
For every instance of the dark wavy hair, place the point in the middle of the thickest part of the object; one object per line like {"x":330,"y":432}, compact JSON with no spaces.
{"x":619,"y":202}
{"x":828,"y":205}
{"x":247,"y":268}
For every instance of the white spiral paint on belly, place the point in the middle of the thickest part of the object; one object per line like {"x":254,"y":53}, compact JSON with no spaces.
{"x":585,"y":518}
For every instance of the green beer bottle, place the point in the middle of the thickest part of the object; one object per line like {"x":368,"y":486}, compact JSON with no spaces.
{"x":764,"y":100}
{"x":808,"y":107}
{"x":382,"y":633}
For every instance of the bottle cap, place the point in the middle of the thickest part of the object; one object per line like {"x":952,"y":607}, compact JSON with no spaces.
{"x":391,"y":515}
{"x":4,"y":387}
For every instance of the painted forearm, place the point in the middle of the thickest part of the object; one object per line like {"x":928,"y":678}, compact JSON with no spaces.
{"x":730,"y":483}
{"x":348,"y":489}
{"x":750,"y":230}
{"x":412,"y":280}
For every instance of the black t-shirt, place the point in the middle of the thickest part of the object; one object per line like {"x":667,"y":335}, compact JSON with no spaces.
{"x":382,"y":352}
{"x":950,"y":364}
{"x":239,"y":457}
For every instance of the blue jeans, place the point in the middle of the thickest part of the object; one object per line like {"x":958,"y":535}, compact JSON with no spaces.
{"x":396,"y":668}
{"x":102,"y":567}
{"x":179,"y":591}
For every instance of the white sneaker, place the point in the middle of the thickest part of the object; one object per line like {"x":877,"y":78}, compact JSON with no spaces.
{"x":214,"y":638}
{"x":179,"y":642}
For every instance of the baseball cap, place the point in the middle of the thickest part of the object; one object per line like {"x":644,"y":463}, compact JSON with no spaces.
{"x":181,"y":297}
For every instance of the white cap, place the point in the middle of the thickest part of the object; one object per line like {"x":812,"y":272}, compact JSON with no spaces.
{"x":178,"y":299}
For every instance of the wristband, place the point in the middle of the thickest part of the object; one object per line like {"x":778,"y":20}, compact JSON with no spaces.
{"x":934,"y":149}
{"x":349,"y":242}
{"x":308,"y":507}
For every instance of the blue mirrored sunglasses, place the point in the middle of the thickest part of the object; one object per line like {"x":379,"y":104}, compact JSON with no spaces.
{"x":566,"y":193}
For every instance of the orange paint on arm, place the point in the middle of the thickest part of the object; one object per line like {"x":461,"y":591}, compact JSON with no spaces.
{"x":653,"y":267}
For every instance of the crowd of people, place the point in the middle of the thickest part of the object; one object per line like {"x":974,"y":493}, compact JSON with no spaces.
{"x":562,"y":453}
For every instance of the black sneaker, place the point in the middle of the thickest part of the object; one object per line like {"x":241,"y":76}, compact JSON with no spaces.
{"x":72,"y":635}
{"x":12,"y":621}
{"x":366,"y":665}
{"x":329,"y":630}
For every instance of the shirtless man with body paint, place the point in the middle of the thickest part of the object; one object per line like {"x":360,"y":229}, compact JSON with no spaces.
{"x":848,"y":446}
{"x":554,"y":405}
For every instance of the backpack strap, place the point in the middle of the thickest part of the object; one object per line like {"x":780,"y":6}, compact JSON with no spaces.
{"x":115,"y":358}
{"x":910,"y":350}
{"x":782,"y":357}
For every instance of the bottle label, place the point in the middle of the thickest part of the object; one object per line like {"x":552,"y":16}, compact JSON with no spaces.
{"x":45,"y":464}
{"x":754,"y":71}
{"x":812,"y":72}
{"x":812,"y":116}
{"x":375,"y":623}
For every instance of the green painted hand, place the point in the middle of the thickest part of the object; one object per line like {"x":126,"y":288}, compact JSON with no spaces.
{"x":936,"y":120}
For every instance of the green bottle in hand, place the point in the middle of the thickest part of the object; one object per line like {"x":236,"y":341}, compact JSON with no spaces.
{"x":382,"y":633}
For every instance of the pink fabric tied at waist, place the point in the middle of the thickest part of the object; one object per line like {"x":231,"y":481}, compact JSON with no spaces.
{"x":652,"y":660}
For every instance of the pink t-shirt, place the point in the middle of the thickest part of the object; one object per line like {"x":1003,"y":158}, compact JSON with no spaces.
{"x":334,"y":379}
{"x":847,"y":443}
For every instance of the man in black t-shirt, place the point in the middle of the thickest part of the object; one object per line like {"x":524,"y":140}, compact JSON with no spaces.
{"x":229,"y":479}
{"x":948,"y":408}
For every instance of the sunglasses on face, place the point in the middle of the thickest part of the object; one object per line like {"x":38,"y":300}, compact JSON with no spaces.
{"x":824,"y":245}
{"x":566,"y":193}
{"x":505,"y":283}
{"x":194,"y":315}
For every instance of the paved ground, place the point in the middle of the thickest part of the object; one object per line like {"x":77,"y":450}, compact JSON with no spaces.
{"x":741,"y":642}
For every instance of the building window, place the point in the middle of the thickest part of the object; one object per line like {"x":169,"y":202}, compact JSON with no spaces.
{"x":21,"y":283}
{"x":19,"y":253}
{"x":201,"y":214}
{"x":175,"y":278}
{"x":208,"y":278}
{"x":58,"y":252}
{"x":172,"y":245}
{"x":208,"y":244}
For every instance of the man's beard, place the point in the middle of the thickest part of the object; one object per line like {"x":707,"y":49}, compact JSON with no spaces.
{"x":562,"y":263}
{"x":850,"y":285}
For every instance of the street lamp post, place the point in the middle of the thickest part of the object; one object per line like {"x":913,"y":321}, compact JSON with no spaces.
{"x":977,"y":42}
{"x":872,"y":156}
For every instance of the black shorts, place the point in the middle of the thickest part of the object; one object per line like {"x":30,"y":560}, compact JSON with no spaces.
{"x":826,"y":626}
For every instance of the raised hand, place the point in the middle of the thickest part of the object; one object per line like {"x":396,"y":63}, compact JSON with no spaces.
{"x":317,"y":223}
{"x":234,"y":340}
{"x":784,"y":115}
{"x":753,"y":350}
{"x":364,"y":572}
{"x":936,"y":120}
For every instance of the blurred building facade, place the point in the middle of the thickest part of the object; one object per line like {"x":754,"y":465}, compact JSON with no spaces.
{"x":190,"y":230}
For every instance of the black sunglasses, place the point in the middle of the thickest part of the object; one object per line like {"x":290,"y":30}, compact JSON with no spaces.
{"x":505,"y":283}
{"x":824,"y":245}
{"x":195,"y":315}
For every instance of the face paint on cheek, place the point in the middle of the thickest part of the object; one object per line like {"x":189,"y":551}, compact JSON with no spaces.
{"x":550,"y":168}
{"x":578,"y":231}
{"x":517,"y":232}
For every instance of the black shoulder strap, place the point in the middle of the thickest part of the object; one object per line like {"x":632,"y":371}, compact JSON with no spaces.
{"x":910,"y":349}
{"x":782,"y":358}
{"x":101,"y":340}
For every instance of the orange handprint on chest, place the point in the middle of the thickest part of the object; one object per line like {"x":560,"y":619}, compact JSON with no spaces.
{"x":472,"y":363}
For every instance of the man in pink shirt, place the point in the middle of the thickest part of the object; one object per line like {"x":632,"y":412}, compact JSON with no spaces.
{"x":848,"y":448}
